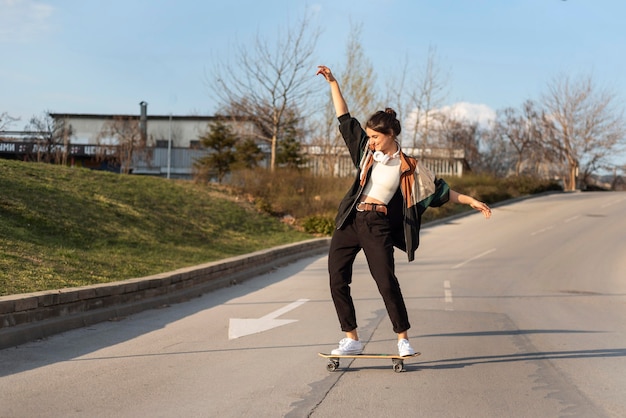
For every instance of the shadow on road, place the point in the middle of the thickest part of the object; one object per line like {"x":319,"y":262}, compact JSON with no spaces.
{"x":455,"y":363}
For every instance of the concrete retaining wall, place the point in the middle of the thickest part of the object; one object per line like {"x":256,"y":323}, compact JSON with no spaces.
{"x":31,"y":316}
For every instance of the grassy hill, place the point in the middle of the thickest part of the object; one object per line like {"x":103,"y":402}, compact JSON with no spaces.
{"x":63,"y":227}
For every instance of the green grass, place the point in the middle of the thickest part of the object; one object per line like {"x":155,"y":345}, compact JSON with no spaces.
{"x":64,"y":227}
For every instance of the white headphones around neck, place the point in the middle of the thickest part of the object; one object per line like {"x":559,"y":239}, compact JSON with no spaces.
{"x":383,"y":158}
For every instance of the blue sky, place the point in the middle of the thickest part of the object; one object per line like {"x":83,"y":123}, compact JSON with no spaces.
{"x":96,"y":56}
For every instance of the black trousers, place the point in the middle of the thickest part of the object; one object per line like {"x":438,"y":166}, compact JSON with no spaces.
{"x":371,"y":232}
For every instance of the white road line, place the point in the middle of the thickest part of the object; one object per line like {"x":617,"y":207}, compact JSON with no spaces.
{"x":541,"y":231}
{"x":447,"y":295}
{"x":473,"y":258}
{"x":573,"y":218}
{"x":606,"y":205}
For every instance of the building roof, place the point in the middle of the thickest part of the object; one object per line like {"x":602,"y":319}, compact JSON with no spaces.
{"x":133,"y":116}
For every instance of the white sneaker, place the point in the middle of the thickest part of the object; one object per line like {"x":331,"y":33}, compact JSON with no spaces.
{"x":348,"y":346}
{"x":404,"y":348}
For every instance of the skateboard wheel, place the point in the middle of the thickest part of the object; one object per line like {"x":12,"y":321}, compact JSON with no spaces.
{"x":332,"y":365}
{"x":398,"y":366}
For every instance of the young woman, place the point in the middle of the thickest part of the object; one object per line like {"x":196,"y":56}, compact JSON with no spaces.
{"x":382,"y":209}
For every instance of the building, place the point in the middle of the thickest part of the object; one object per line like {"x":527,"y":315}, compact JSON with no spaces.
{"x":173,"y":142}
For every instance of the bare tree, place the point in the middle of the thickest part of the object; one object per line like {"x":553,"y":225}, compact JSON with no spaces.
{"x":418,"y":97}
{"x":585,"y":124}
{"x":120,"y":140}
{"x":523,"y":131}
{"x":357,"y":79}
{"x":6,"y":120}
{"x":357,"y":82}
{"x":52,"y":138}
{"x":396,"y":95}
{"x":267,"y":80}
{"x":496,"y":157}
{"x":460,"y":134}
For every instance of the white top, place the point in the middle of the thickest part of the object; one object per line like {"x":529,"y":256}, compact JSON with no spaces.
{"x":384,"y":180}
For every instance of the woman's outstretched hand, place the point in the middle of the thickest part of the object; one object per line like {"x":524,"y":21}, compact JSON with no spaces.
{"x":325,"y":71}
{"x":480,"y":206}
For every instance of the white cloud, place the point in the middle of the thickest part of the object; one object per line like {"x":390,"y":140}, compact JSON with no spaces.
{"x":461,"y":111}
{"x":23,"y":20}
{"x":470,"y":112}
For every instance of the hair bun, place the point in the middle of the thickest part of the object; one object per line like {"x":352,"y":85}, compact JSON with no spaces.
{"x":390,"y":111}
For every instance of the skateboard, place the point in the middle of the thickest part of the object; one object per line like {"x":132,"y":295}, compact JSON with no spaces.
{"x":397,"y":361}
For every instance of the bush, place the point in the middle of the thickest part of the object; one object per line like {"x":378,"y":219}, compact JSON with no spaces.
{"x":323,"y":225}
{"x":313,"y":201}
{"x":492,"y":189}
{"x":290,"y":192}
{"x":530,"y":185}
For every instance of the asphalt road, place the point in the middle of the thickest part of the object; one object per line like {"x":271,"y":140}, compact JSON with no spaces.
{"x":523,"y":315}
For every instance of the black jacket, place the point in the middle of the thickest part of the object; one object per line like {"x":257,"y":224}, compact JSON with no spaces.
{"x":418,"y":189}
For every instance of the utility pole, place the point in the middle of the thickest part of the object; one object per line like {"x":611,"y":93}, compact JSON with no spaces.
{"x":169,"y":148}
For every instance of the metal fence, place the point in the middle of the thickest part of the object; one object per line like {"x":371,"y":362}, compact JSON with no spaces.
{"x":179,"y":162}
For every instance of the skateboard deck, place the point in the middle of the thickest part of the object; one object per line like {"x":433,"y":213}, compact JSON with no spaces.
{"x":397,"y":361}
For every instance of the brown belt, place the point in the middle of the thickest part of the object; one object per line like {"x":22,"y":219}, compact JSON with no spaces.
{"x":377,"y":207}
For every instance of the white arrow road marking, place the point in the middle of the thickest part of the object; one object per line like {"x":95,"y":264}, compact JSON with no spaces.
{"x":242,"y":327}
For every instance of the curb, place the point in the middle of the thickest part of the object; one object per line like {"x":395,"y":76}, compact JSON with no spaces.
{"x":31,"y":316}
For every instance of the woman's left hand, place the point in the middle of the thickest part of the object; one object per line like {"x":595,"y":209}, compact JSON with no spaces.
{"x":482,"y":207}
